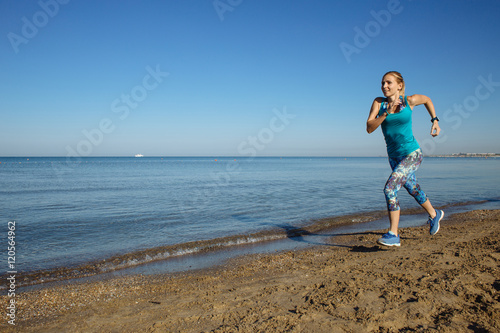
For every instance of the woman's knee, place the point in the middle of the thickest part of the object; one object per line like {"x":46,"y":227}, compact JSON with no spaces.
{"x":389,"y":191}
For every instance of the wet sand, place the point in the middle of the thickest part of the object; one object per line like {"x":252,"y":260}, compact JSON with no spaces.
{"x":445,"y":283}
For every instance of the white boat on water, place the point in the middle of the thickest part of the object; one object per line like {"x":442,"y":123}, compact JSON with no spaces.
{"x":139,"y":155}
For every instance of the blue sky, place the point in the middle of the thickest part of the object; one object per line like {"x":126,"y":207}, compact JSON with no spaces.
{"x":241,"y":77}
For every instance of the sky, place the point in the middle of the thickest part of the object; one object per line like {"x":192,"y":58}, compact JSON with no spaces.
{"x":240,"y":77}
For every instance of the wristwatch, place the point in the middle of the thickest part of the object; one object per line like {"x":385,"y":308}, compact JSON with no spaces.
{"x":435,"y":118}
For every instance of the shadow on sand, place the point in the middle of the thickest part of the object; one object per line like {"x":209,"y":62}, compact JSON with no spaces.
{"x":302,"y":235}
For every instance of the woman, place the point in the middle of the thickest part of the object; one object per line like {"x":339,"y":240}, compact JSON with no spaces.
{"x":393,"y":112}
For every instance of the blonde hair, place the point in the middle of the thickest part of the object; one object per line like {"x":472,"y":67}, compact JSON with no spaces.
{"x":399,"y":79}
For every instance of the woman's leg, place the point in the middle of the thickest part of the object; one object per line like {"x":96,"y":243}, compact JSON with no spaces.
{"x":435,"y":216}
{"x":429,"y":208}
{"x":394,"y":221}
{"x":416,"y":192}
{"x":403,"y":173}
{"x":392,"y":186}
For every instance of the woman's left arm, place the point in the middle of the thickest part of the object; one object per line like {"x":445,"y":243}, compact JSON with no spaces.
{"x":426,"y":101}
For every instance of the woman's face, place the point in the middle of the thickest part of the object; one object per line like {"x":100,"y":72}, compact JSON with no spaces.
{"x":390,"y":85}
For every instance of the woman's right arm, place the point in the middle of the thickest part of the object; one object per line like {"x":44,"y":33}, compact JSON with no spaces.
{"x":374,"y":121}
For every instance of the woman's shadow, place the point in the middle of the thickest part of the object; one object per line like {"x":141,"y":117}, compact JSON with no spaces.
{"x":298,"y":234}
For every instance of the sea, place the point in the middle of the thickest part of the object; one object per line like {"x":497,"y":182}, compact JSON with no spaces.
{"x":73,"y":217}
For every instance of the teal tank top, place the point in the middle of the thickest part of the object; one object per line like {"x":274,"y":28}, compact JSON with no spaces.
{"x":397,"y":129}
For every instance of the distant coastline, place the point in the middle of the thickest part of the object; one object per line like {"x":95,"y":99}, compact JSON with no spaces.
{"x":469,"y":155}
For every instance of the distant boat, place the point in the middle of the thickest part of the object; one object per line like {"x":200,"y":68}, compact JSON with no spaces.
{"x":139,"y":155}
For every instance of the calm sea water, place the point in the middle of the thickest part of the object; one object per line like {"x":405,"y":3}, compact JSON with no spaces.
{"x":72,"y":212}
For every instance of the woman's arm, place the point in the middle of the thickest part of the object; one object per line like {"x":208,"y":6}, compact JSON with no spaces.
{"x":374,"y":120}
{"x":426,"y":101}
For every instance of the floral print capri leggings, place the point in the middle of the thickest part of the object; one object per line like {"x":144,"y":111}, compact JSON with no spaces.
{"x":403,"y":174}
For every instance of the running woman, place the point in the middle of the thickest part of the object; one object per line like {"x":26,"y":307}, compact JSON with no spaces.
{"x":393,"y":112}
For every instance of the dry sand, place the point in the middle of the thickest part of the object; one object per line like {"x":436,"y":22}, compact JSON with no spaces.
{"x":445,"y":283}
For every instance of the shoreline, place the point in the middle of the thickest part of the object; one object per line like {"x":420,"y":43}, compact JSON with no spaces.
{"x":447,"y":283}
{"x":215,"y":251}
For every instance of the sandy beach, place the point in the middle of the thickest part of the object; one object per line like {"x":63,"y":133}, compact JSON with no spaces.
{"x":445,"y":283}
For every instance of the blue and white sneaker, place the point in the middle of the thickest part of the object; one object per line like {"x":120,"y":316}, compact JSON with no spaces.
{"x":434,"y":222}
{"x":389,"y":239}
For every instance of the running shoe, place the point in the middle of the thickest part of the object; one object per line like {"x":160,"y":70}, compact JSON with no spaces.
{"x":389,"y":239}
{"x":434,"y":222}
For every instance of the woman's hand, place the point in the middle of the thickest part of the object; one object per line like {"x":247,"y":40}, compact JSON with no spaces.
{"x":422,"y":99}
{"x":394,"y":106}
{"x":435,"y":128}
